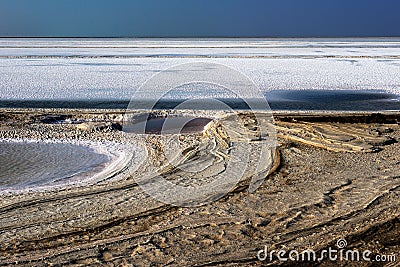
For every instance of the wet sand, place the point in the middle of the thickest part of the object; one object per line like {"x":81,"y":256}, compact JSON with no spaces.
{"x":334,"y":175}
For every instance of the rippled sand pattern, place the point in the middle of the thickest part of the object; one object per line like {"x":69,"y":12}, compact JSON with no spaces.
{"x":336,"y":137}
{"x":30,"y":163}
{"x":308,"y":196}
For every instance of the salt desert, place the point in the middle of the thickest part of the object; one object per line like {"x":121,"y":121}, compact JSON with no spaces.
{"x":323,"y":164}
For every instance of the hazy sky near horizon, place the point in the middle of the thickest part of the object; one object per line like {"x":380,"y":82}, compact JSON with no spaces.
{"x":199,"y":18}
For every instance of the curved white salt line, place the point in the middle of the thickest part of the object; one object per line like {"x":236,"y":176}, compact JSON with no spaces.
{"x":119,"y":154}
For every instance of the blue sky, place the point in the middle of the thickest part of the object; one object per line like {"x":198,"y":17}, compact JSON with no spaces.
{"x":188,"y":18}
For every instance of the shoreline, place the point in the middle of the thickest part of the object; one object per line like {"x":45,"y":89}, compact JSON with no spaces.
{"x":105,"y":114}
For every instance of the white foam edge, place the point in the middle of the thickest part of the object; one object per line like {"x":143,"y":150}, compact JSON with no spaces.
{"x":121,"y":155}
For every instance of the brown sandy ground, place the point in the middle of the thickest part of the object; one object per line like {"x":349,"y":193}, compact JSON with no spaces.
{"x":336,"y":176}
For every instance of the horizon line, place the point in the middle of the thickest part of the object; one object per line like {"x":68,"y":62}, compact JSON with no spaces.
{"x":199,"y":37}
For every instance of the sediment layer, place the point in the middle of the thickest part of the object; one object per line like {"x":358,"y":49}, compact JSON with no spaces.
{"x":330,"y":178}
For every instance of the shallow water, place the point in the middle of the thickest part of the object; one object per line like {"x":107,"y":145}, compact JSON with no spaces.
{"x":347,"y":100}
{"x":25,"y":164}
{"x":168,"y":125}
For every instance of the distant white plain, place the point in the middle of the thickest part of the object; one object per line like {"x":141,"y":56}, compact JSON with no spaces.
{"x":114,"y":69}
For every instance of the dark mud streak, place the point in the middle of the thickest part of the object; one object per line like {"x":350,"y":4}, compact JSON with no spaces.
{"x":351,"y":118}
{"x":378,"y":199}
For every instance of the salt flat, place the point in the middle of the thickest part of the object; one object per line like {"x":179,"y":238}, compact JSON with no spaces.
{"x":113,"y":69}
{"x":327,"y":175}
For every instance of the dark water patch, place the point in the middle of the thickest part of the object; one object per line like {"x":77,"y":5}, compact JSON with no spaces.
{"x":351,"y":61}
{"x":117,"y":104}
{"x":167,"y":125}
{"x":344,"y":118}
{"x":346,"y":100}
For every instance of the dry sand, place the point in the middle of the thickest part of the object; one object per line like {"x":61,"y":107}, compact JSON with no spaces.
{"x":334,"y":175}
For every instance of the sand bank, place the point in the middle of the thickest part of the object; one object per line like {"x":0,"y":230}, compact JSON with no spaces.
{"x":333,"y":176}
